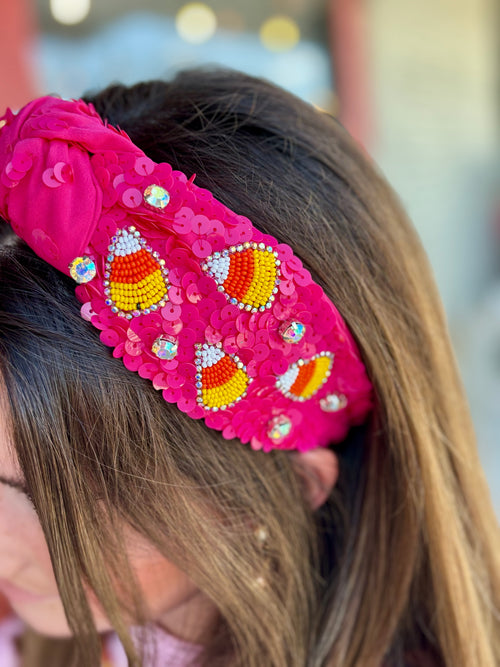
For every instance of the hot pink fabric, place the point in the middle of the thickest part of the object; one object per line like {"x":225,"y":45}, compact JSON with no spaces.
{"x":49,"y":144}
{"x":70,"y":186}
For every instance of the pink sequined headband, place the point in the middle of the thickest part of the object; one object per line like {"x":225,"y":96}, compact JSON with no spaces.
{"x":222,"y":318}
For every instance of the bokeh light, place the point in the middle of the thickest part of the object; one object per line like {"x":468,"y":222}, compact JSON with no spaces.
{"x":196,"y":22}
{"x":279,"y":33}
{"x":70,"y":12}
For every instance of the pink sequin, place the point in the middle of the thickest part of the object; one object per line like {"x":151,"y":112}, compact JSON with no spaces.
{"x":144,"y":166}
{"x":201,"y":248}
{"x":87,"y":312}
{"x":171,"y":312}
{"x":22,"y":162}
{"x":48,"y":178}
{"x":132,"y":197}
{"x":63,"y":172}
{"x":193,"y":293}
{"x":148,"y":371}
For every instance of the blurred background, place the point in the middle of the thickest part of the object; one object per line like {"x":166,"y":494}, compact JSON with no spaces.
{"x":416,"y":83}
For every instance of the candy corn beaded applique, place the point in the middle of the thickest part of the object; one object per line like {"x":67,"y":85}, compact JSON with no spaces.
{"x":221,"y":379}
{"x":303,"y":378}
{"x":248,"y":274}
{"x":136,"y":278}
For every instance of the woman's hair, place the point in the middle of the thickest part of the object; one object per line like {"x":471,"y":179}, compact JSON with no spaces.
{"x":403,"y":557}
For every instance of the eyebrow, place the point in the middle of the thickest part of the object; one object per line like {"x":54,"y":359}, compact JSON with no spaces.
{"x":14,"y":483}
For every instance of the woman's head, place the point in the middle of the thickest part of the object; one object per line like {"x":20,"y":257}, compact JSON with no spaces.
{"x":109,"y":464}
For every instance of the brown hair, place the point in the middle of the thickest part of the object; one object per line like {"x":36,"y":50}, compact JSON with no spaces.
{"x":404,"y":555}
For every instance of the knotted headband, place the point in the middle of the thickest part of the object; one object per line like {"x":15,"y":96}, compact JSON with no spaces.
{"x":222,"y":318}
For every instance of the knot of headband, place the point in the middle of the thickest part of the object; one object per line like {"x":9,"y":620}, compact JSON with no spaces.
{"x":222,"y":318}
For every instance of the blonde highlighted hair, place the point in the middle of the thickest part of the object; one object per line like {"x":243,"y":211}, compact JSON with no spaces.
{"x":402,"y":561}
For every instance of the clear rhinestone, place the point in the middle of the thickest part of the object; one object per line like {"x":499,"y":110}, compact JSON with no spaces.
{"x":333,"y":403}
{"x":165,"y":347}
{"x":279,"y":428}
{"x":156,"y":196}
{"x":292,"y":332}
{"x":82,"y":269}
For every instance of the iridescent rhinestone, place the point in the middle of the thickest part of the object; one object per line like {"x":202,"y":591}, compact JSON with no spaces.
{"x":279,"y":428}
{"x":82,"y":269}
{"x":165,"y":347}
{"x":333,"y":403}
{"x":292,"y":332}
{"x":156,"y":196}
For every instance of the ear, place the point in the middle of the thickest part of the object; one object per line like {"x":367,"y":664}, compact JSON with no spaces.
{"x":319,"y":470}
